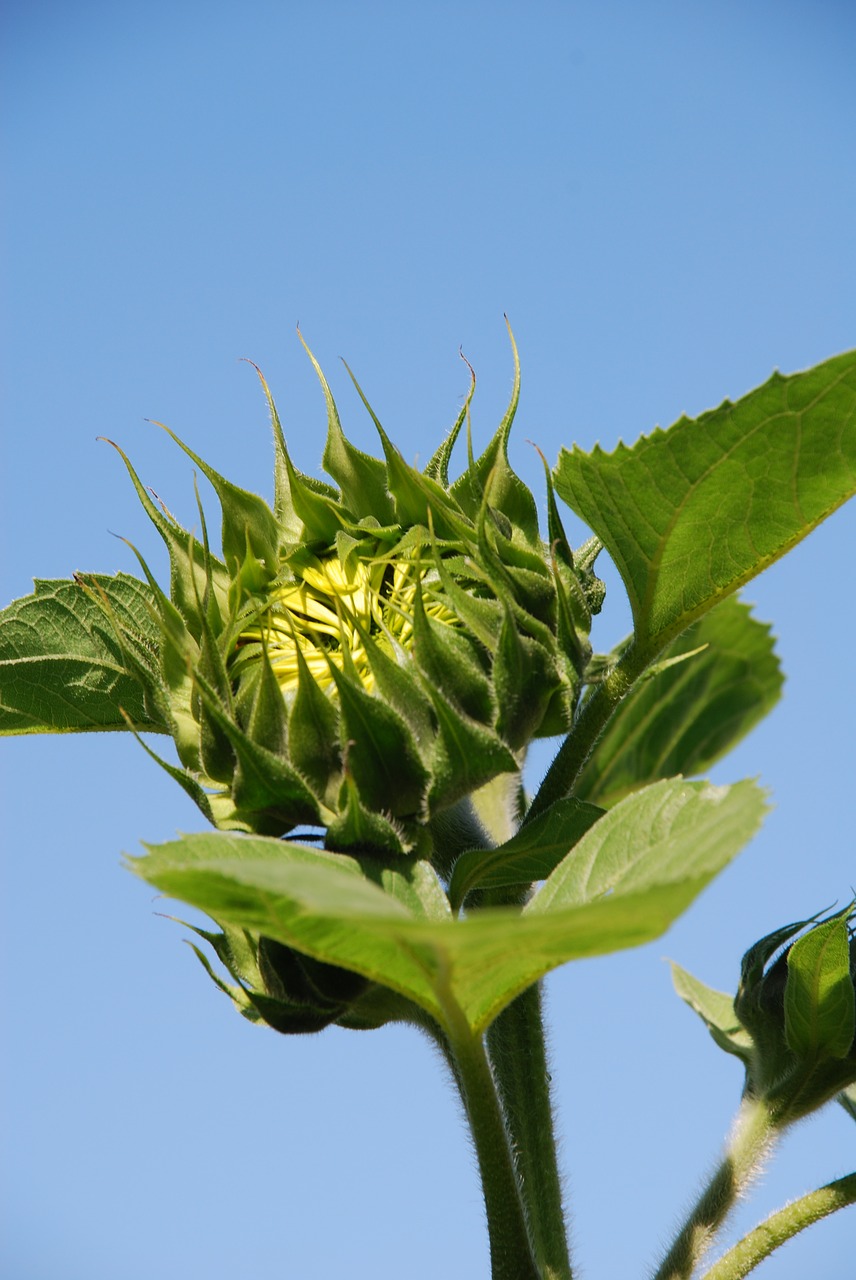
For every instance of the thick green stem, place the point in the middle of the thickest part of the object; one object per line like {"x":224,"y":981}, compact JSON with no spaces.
{"x":782,"y":1226}
{"x":519,"y":1058}
{"x":590,"y":723}
{"x":750,"y":1143}
{"x":510,"y":1252}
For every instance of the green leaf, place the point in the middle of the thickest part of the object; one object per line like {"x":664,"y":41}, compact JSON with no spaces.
{"x":687,"y":716}
{"x":318,"y":902}
{"x":321,"y":905}
{"x":62,"y":668}
{"x":412,"y":881}
{"x":690,"y":514}
{"x":479,"y":964}
{"x":532,"y":854}
{"x":820,"y":1003}
{"x":716,"y":1010}
{"x":667,"y":833}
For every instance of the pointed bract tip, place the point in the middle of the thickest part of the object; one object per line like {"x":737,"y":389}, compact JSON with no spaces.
{"x":469,"y":366}
{"x":252,"y":363}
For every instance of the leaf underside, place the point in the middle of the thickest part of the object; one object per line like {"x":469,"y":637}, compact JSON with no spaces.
{"x":688,"y":715}
{"x":623,"y":884}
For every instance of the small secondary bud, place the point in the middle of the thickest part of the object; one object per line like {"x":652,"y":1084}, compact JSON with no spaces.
{"x":798,"y":1005}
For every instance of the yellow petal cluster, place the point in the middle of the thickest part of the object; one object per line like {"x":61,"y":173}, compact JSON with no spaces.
{"x":326,"y":613}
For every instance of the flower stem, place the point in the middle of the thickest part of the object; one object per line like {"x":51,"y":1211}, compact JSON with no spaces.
{"x":510,"y":1252}
{"x":518,"y":1054}
{"x":782,"y":1226}
{"x":750,"y":1143}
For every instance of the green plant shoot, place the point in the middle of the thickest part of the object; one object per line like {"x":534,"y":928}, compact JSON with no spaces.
{"x":352,"y":676}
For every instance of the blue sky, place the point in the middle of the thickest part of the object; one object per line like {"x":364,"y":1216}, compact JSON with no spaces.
{"x":662,"y":197}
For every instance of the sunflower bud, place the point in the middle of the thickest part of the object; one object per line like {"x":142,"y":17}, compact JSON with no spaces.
{"x":290,"y":992}
{"x":362,"y":655}
{"x":798,"y":1003}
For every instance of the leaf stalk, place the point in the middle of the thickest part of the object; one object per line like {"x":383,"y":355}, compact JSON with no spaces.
{"x":593,"y":717}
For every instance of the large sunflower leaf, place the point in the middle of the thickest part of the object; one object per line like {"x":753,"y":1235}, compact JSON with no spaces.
{"x":666,"y":833}
{"x":690,"y":713}
{"x":690,"y":514}
{"x":323,"y":906}
{"x":61,"y":665}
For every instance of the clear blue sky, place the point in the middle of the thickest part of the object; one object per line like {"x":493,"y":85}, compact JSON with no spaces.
{"x":662,"y":196}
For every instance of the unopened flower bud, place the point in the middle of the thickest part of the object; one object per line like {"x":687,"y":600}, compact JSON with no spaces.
{"x":798,"y":1005}
{"x":360,"y":658}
